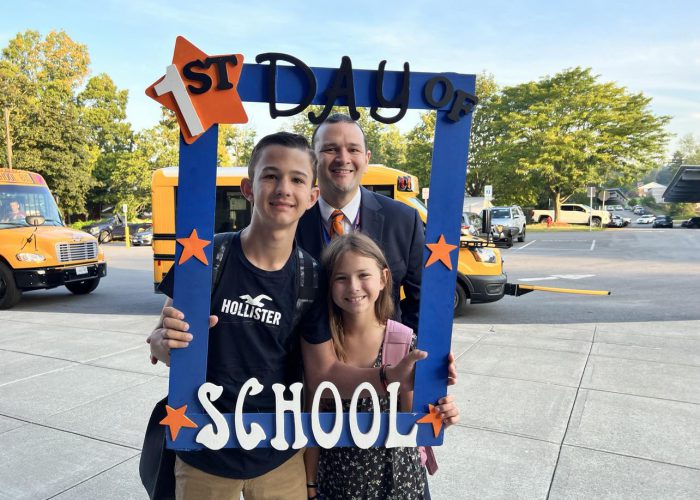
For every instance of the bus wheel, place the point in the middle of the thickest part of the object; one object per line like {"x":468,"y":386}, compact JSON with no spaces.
{"x":9,"y":293}
{"x":460,"y":302}
{"x":83,"y":287}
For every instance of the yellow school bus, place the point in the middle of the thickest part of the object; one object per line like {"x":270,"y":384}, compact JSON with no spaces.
{"x":480,"y":275}
{"x":36,"y":249}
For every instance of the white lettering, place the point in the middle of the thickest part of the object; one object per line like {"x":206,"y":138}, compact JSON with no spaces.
{"x":225,"y":305}
{"x":209,"y":437}
{"x":361,"y":439}
{"x":172,"y":82}
{"x":324,"y":439}
{"x":396,"y":439}
{"x":276,"y":320}
{"x":248,"y":441}
{"x":281,"y":405}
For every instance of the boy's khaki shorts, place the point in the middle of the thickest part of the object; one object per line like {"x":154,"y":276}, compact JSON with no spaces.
{"x":286,"y":481}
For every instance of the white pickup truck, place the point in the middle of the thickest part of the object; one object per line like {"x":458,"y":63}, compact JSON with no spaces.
{"x":574,"y":213}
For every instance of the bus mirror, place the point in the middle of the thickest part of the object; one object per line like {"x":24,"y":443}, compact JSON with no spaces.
{"x":35,"y":220}
{"x":486,"y":221}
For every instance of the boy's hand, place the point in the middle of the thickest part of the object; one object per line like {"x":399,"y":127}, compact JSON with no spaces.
{"x":173,"y":334}
{"x":403,"y":372}
{"x":448,"y":410}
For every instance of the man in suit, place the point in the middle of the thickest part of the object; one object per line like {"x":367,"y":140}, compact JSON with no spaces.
{"x":345,"y":206}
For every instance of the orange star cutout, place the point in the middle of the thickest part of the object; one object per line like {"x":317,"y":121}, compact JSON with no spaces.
{"x":176,"y":420}
{"x":433,"y":417}
{"x":214,"y":105}
{"x":192,"y":246}
{"x":440,"y":251}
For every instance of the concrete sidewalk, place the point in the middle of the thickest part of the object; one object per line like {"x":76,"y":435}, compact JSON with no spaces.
{"x":574,"y":411}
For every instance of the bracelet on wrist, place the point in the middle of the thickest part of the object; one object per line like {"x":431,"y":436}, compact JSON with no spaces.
{"x":311,"y":485}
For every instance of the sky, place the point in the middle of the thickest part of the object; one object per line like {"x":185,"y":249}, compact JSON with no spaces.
{"x":641,"y":45}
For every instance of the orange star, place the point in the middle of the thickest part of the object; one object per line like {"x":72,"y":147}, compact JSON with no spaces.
{"x":440,"y":251}
{"x":209,"y":86}
{"x":193,"y":246}
{"x":176,"y":419}
{"x":433,"y":417}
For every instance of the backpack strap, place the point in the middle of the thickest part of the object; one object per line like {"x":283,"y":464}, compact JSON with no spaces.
{"x":222,"y":246}
{"x":397,"y":342}
{"x":306,"y":283}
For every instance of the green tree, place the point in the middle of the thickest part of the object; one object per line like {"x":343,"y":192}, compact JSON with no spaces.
{"x":111,"y":139}
{"x":568,"y":131}
{"x":236,"y":144}
{"x":38,"y":79}
{"x":419,"y":148}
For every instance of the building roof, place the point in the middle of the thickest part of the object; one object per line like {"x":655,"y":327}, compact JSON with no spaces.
{"x":685,"y":185}
{"x":652,"y":185}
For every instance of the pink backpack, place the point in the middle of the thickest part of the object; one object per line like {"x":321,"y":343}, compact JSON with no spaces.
{"x":397,"y":341}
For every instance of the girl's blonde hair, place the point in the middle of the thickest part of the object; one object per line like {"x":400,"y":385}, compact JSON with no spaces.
{"x":333,"y":253}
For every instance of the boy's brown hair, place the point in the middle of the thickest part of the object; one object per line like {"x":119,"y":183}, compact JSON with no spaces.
{"x":362,"y":245}
{"x":288,"y":140}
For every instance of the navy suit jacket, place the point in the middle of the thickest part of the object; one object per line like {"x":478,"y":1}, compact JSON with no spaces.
{"x":399,"y":232}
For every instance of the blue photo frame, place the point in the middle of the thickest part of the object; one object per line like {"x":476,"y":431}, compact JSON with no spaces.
{"x":452,"y":96}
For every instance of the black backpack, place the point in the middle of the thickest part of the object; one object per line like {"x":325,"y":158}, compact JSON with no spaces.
{"x":157,"y":463}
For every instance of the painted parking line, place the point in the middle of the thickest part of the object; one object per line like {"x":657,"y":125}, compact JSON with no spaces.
{"x":525,"y":246}
{"x":592,"y":245}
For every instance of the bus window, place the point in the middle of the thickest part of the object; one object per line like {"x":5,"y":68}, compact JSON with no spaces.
{"x":386,"y":190}
{"x":232,"y":209}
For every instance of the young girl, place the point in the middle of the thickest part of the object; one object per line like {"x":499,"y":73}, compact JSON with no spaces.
{"x":360,"y":305}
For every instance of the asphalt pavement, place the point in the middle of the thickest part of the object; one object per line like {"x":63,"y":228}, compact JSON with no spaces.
{"x":556,"y":402}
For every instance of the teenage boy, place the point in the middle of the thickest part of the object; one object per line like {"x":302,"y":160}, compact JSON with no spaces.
{"x":262,"y":264}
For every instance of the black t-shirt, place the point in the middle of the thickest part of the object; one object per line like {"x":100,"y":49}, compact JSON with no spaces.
{"x":254,"y":338}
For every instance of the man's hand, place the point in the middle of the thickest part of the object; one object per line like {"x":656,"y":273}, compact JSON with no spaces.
{"x":172,"y":333}
{"x":403,"y":372}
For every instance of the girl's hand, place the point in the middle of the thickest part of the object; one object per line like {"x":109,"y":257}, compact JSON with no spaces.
{"x":448,"y":410}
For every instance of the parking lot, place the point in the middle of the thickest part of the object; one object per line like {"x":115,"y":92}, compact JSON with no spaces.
{"x":562,"y":396}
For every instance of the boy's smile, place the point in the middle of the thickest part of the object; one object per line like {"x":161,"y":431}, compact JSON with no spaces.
{"x":282,"y":189}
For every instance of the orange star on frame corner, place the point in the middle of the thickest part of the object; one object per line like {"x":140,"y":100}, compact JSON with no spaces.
{"x":193,"y":246}
{"x":176,"y":420}
{"x":440,"y":251}
{"x":433,"y":418}
{"x":214,"y":105}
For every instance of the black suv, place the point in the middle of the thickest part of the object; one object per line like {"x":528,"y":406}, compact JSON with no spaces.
{"x":692,"y":223}
{"x":112,"y":228}
{"x":663,"y":221}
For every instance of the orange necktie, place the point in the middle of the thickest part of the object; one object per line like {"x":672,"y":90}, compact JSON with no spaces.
{"x":336,"y":223}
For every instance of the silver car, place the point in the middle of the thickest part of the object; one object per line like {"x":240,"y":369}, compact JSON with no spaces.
{"x":508,"y":222}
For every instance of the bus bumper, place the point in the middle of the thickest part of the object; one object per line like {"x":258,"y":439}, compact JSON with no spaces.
{"x":50,"y":277}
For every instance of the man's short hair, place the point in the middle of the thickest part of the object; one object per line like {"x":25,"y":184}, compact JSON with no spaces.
{"x":287,"y":140}
{"x":338,"y":118}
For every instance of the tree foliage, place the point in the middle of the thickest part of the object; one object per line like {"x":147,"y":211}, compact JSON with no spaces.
{"x":38,"y":79}
{"x":568,"y":131}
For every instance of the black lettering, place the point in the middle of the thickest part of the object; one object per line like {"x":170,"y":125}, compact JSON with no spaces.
{"x":430,"y":88}
{"x":202,"y":78}
{"x":400,"y":101}
{"x":221,"y":73}
{"x":273,"y":57}
{"x":463,"y":104}
{"x":343,"y":86}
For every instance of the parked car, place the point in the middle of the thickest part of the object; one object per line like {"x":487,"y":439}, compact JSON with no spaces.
{"x":112,"y":228}
{"x":144,"y":237}
{"x":645,"y":219}
{"x":617,"y":221}
{"x":509,"y":222}
{"x":471,"y":224}
{"x":663,"y":221}
{"x":639,"y":210}
{"x":692,"y":223}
